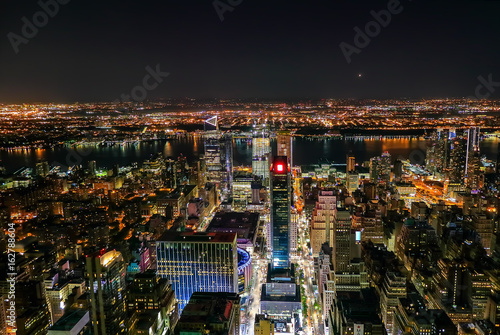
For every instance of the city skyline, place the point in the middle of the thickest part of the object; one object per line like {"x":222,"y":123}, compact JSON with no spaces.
{"x":231,"y":167}
{"x":143,"y":246}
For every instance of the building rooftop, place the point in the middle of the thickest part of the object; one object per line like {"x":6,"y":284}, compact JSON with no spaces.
{"x":70,"y":319}
{"x":176,"y":193}
{"x":208,"y":308}
{"x":281,"y":275}
{"x":243,"y":176}
{"x":175,"y":236}
{"x":283,"y":298}
{"x":244,"y":224}
{"x":146,"y":321}
{"x":360,"y":307}
{"x":414,"y":306}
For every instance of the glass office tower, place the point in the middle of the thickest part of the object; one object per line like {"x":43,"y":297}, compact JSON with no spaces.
{"x":105,"y":277}
{"x":261,"y":149}
{"x":280,"y":212}
{"x":198,"y":262}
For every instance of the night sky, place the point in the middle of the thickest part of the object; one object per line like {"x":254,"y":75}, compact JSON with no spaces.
{"x":96,"y":50}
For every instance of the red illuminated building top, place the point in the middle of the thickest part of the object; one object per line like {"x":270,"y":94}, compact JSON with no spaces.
{"x":280,"y":165}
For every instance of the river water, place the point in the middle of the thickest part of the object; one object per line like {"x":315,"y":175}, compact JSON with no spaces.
{"x":305,"y":151}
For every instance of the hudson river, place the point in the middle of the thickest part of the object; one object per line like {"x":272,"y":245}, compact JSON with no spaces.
{"x":305,"y":151}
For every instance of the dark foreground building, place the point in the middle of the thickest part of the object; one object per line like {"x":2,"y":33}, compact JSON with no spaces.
{"x":210,"y":313}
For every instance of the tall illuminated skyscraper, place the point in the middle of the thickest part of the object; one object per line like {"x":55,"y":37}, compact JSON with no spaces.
{"x":105,"y":276}
{"x":284,"y":139}
{"x":227,"y":163}
{"x":151,"y":303}
{"x":350,"y":163}
{"x":386,"y":166}
{"x":212,"y":137}
{"x":198,"y":262}
{"x":472,"y":159}
{"x":280,"y":212}
{"x":261,"y":149}
{"x":280,"y":295}
{"x":473,"y":139}
{"x":380,"y":168}
{"x":322,"y":220}
{"x":351,"y":177}
{"x":437,"y":155}
{"x":218,"y":156}
{"x":394,"y":287}
{"x":457,"y":160}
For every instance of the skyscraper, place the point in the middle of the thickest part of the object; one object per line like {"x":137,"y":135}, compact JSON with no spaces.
{"x":322,"y":221}
{"x":350,"y":163}
{"x":212,"y":148}
{"x":481,"y":287}
{"x":284,"y":139}
{"x":227,"y":163}
{"x":473,"y":139}
{"x":92,"y":167}
{"x":342,"y":240}
{"x":218,"y":156}
{"x":105,"y":276}
{"x":280,"y":295}
{"x":352,"y":182}
{"x":42,"y":169}
{"x":151,"y":303}
{"x":198,"y":262}
{"x":485,"y":227}
{"x":32,"y":309}
{"x":472,"y":159}
{"x":437,"y":155}
{"x":242,"y":190}
{"x":280,"y":212}
{"x":380,"y":168}
{"x":374,"y":169}
{"x":210,"y":313}
{"x":261,"y":149}
{"x":352,"y":178}
{"x":385,"y":159}
{"x":394,"y":287}
{"x":457,"y":160}
{"x":213,"y":155}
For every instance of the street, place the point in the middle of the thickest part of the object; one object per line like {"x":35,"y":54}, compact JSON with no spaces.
{"x":306,"y":264}
{"x":259,"y":272}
